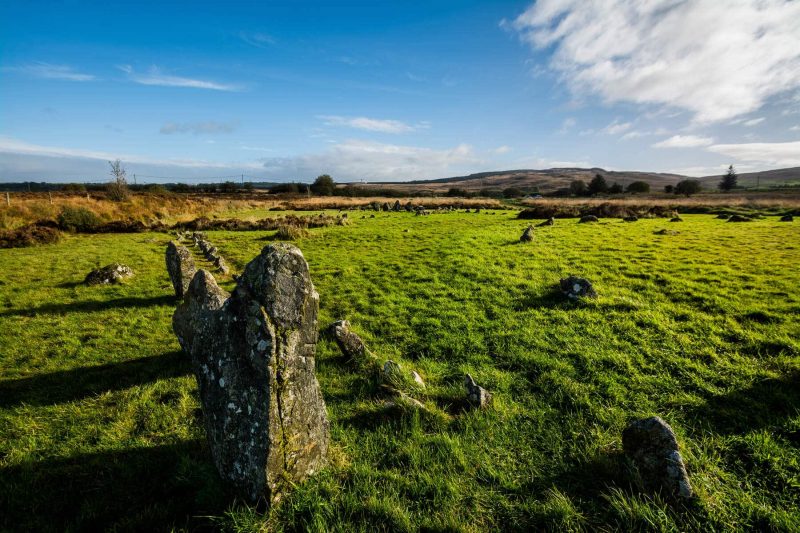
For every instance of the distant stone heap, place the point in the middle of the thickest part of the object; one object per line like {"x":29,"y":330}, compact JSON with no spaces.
{"x":253,"y":353}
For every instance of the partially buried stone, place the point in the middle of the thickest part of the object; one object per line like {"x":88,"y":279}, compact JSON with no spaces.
{"x":676,"y":219}
{"x":787,"y":218}
{"x":652,"y":447}
{"x":740,"y":218}
{"x":252,"y":353}
{"x":477,"y":396}
{"x":180,"y":266}
{"x":587,"y":218}
{"x":574,"y":287}
{"x":549,"y":222}
{"x":108,"y":275}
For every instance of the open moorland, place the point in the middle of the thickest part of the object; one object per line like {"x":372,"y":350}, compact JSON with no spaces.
{"x":101,"y":425}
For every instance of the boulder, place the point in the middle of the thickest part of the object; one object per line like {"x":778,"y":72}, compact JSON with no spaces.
{"x":180,"y":266}
{"x":527,"y":235}
{"x":740,"y":218}
{"x":396,"y":206}
{"x":253,"y":354}
{"x":477,"y":396}
{"x":652,"y":447}
{"x":574,"y":287}
{"x":349,"y":342}
{"x":108,"y":275}
{"x":588,"y":218}
{"x":787,"y":218}
{"x":549,"y":222}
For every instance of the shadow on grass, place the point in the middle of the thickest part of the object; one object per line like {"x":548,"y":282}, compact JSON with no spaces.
{"x":90,"y":306}
{"x":160,"y":488}
{"x":552,"y":299}
{"x":763,"y":404}
{"x":82,"y":382}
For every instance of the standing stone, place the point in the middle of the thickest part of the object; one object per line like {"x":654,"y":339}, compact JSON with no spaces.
{"x":527,"y":235}
{"x":574,"y":287}
{"x":651,"y":444}
{"x":108,"y":275}
{"x":396,"y":206}
{"x":252,"y":353}
{"x":549,"y":222}
{"x":349,"y":342}
{"x":180,"y":266}
{"x":477,"y":396}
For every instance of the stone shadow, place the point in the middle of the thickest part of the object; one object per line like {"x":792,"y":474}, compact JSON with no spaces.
{"x":90,"y":306}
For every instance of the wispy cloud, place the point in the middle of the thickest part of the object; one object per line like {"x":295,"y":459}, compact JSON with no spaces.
{"x":566,"y":125}
{"x":617,"y":127}
{"x":257,"y":39}
{"x":370,"y":124}
{"x":500,"y":150}
{"x":684,"y":141}
{"x":674,"y":53}
{"x":154,"y":76}
{"x":198,"y":128}
{"x":754,"y":121}
{"x":53,"y":72}
{"x":785,"y":154}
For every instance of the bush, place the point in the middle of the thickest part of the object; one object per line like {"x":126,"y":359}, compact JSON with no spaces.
{"x":598,"y":185}
{"x":688,"y":187}
{"x":323,"y":185}
{"x":577,"y":188}
{"x":615,"y":189}
{"x":513,"y":192}
{"x":290,"y":232}
{"x":117,"y":188}
{"x":639,"y":186}
{"x":669,"y":189}
{"x":77,"y":219}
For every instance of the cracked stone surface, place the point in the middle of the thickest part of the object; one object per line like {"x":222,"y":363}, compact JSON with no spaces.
{"x":180,"y":266}
{"x":651,"y":444}
{"x":574,"y":287}
{"x":253,"y":354}
{"x":477,"y":396}
{"x":108,"y":275}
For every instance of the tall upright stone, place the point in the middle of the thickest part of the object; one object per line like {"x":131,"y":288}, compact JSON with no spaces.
{"x":651,"y":445}
{"x":253,"y":354}
{"x":180,"y":266}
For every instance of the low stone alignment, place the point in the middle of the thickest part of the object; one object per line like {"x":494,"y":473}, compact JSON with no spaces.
{"x":210,"y":252}
{"x":108,"y":275}
{"x":652,"y":447}
{"x":574,"y":288}
{"x":253,"y":354}
{"x":180,"y":266}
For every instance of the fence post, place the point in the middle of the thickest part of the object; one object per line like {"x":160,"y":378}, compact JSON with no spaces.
{"x":8,"y":199}
{"x":50,"y":195}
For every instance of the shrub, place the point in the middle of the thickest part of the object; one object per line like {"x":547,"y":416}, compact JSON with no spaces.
{"x":615,"y":189}
{"x":639,"y":186}
{"x":323,"y":185}
{"x":598,"y":185}
{"x":290,"y":232}
{"x":577,"y":188}
{"x":688,"y":187}
{"x":513,"y":192}
{"x":118,"y":187}
{"x":77,"y":219}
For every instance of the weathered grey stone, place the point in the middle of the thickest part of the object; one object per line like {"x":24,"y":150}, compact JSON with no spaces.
{"x":477,"y":396}
{"x":180,"y":266}
{"x":527,"y":235}
{"x":549,"y":222}
{"x":108,"y":275}
{"x":787,"y":218}
{"x":740,"y":218}
{"x":574,"y":287}
{"x":349,"y":342}
{"x":587,"y":218}
{"x":651,"y":445}
{"x":253,"y":355}
{"x":397,"y":206}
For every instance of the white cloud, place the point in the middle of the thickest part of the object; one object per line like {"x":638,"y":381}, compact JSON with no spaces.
{"x":155,"y":77}
{"x":502,"y":150}
{"x":795,"y":128}
{"x":372,"y":161}
{"x":617,"y":127}
{"x":684,"y":141}
{"x":786,"y":154}
{"x":567,"y":125}
{"x":257,"y":39}
{"x":197,"y":128}
{"x":716,"y":59}
{"x":53,"y":72}
{"x":753,"y":122}
{"x":369,"y":124}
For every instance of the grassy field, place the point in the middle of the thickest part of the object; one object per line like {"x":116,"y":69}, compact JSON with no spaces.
{"x":100,"y":426}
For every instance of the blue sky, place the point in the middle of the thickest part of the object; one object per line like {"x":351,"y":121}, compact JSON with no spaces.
{"x":381,"y":91}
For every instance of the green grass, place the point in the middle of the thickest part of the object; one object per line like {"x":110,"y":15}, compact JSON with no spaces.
{"x":100,"y":426}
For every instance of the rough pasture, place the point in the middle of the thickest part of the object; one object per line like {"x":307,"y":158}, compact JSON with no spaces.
{"x":100,"y":424}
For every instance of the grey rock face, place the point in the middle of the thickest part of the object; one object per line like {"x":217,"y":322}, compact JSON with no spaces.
{"x":527,"y":235}
{"x":349,"y":342}
{"x":252,"y":353}
{"x":587,"y":218}
{"x":651,"y":444}
{"x":108,"y":275}
{"x":574,"y":287}
{"x":477,"y":396}
{"x":180,"y":266}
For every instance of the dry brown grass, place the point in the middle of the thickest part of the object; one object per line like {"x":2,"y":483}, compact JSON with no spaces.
{"x":340,"y":202}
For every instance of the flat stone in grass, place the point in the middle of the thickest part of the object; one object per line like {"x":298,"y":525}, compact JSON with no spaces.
{"x":253,"y":354}
{"x":574,"y":287}
{"x":587,"y":218}
{"x":652,"y":447}
{"x":740,"y":218}
{"x":666,"y":232}
{"x":527,"y":235}
{"x":108,"y":275}
{"x":676,"y":219}
{"x":631,"y":218}
{"x":787,"y":218}
{"x":180,"y":266}
{"x":477,"y":396}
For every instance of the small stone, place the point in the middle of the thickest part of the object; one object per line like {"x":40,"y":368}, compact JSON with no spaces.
{"x":549,"y":222}
{"x":676,"y":219}
{"x":349,"y":342}
{"x":740,"y":218}
{"x":527,"y":235}
{"x":631,"y":218}
{"x":574,"y":287}
{"x":787,"y":218}
{"x":587,"y":218}
{"x":652,"y":447}
{"x":417,"y":379}
{"x":477,"y":396}
{"x":666,"y":232}
{"x":108,"y":275}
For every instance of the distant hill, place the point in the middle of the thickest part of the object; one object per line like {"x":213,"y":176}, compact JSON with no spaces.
{"x":783,"y":177}
{"x":548,"y":180}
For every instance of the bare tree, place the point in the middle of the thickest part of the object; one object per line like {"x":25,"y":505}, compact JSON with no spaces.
{"x":118,"y":186}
